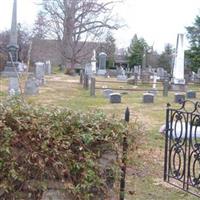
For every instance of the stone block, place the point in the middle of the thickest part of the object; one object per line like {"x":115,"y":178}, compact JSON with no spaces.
{"x":115,"y":98}
{"x":179,"y":97}
{"x":148,"y":98}
{"x":191,"y":94}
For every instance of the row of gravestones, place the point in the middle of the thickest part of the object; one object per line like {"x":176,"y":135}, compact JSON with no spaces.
{"x":178,"y":97}
{"x":148,"y":97}
{"x":33,"y":82}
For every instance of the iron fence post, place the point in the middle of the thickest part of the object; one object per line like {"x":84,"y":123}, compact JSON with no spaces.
{"x":166,"y":142}
{"x":124,"y":159}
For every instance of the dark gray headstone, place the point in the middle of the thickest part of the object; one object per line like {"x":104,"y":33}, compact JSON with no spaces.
{"x":179,"y":97}
{"x":148,"y":98}
{"x":191,"y":94}
{"x":115,"y":98}
{"x":107,"y":93}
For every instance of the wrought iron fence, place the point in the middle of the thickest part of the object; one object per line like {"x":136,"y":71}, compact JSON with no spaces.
{"x":182,"y":147}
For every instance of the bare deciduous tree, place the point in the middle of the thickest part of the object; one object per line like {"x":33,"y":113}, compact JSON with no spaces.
{"x":74,"y":22}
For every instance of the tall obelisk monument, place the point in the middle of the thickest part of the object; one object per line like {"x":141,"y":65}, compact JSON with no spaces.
{"x":13,"y":46}
{"x":178,"y":81}
{"x":10,"y":69}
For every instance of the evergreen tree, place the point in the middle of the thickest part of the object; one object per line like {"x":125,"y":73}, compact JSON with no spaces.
{"x":193,"y":54}
{"x":165,"y":59}
{"x":136,"y":51}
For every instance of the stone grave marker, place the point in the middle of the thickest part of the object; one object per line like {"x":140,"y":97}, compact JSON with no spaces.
{"x":31,"y":86}
{"x":115,"y":98}
{"x":102,"y":64}
{"x":179,"y":97}
{"x":191,"y":94}
{"x":48,"y":67}
{"x":148,"y":98}
{"x":13,"y":88}
{"x":40,"y":72}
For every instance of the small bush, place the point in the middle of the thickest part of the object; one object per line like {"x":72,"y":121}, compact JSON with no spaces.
{"x":38,"y":143}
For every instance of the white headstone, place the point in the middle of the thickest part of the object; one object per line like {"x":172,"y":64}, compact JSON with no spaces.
{"x":93,"y":61}
{"x":48,"y":67}
{"x":13,"y":88}
{"x":178,"y":70}
{"x":40,"y":72}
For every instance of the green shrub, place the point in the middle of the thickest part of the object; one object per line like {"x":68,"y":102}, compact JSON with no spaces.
{"x":38,"y":143}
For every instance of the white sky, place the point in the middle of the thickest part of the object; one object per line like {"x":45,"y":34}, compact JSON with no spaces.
{"x":157,"y":21}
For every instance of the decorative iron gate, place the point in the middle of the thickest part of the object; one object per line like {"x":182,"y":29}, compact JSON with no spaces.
{"x":182,"y":147}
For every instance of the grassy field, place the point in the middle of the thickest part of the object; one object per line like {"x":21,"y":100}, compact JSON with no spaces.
{"x":145,"y":166}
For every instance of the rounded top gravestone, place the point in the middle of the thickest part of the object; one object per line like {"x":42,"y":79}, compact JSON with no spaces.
{"x":102,"y":60}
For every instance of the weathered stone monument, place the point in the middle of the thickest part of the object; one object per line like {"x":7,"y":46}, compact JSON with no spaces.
{"x":179,"y":97}
{"x":115,"y":98}
{"x":31,"y":86}
{"x":40,"y":72}
{"x":102,"y":64}
{"x":178,"y":81}
{"x":48,"y":67}
{"x":11,"y":67}
{"x":13,"y":88}
{"x":148,"y":98}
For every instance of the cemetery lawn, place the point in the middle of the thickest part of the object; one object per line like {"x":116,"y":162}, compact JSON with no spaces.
{"x":144,"y":180}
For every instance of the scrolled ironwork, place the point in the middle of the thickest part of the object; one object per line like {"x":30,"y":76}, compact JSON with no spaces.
{"x":182,"y":147}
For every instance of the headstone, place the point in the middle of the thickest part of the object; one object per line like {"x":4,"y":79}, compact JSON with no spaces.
{"x":115,"y":98}
{"x":191,"y":94}
{"x":148,"y":98}
{"x":178,"y":69}
{"x":31,"y":86}
{"x":107,"y":93}
{"x":48,"y":67}
{"x":13,"y":88}
{"x":179,"y":97}
{"x":102,"y":63}
{"x":40,"y":72}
